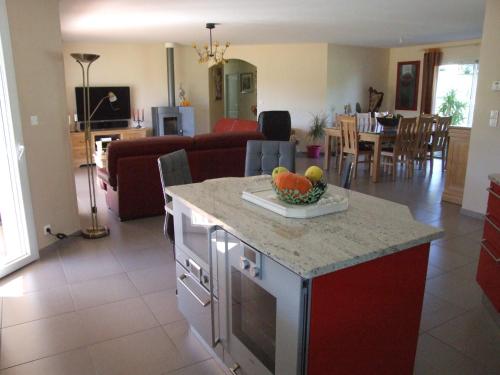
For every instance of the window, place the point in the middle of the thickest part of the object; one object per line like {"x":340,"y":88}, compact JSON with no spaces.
{"x":456,"y":92}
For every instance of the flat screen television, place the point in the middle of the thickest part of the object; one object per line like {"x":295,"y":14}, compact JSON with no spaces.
{"x":108,"y":112}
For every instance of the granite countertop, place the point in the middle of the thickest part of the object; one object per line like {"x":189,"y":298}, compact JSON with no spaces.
{"x":369,"y":229}
{"x":495,"y":177}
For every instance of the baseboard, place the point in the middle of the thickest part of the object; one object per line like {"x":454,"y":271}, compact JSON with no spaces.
{"x":470,"y":213}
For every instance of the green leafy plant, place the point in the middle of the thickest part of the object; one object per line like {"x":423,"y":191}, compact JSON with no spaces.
{"x":453,"y":107}
{"x":317,"y":128}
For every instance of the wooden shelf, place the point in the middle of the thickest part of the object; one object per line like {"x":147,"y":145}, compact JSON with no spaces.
{"x":78,"y":140}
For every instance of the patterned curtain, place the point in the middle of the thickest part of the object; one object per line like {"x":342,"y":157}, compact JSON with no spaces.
{"x":432,"y":58}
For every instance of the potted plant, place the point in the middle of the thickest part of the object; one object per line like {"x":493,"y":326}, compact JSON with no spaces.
{"x":315,"y":133}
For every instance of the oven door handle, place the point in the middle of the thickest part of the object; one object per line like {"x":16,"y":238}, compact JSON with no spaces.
{"x":211,"y":231}
{"x":202,"y":302}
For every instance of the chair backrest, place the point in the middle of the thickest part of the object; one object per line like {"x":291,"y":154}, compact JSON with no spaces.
{"x":440,"y":136}
{"x":174,"y":170}
{"x":275,"y":125}
{"x":406,"y":137}
{"x":424,"y":134}
{"x":263,"y":156}
{"x":364,"y":122}
{"x":349,"y":133}
{"x":346,"y":177}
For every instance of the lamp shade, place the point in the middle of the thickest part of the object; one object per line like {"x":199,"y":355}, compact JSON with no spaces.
{"x":85,"y":57}
{"x":112,"y":97}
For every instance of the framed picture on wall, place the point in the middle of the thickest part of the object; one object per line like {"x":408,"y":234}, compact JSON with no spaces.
{"x":246,"y":82}
{"x":407,"y":85}
{"x":218,"y":84}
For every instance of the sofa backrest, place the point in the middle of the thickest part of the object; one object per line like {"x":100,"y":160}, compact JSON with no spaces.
{"x":226,"y":125}
{"x":141,"y":147}
{"x":201,"y":146}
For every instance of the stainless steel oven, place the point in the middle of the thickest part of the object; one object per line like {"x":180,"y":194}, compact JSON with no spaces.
{"x":261,"y":312}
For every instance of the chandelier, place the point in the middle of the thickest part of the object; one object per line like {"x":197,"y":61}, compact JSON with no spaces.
{"x":214,"y":52}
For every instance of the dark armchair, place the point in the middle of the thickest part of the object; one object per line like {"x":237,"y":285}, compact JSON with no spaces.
{"x":275,"y":125}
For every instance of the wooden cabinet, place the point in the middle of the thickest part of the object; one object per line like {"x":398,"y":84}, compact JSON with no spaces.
{"x":458,"y":153}
{"x":488,"y":268}
{"x":78,"y":140}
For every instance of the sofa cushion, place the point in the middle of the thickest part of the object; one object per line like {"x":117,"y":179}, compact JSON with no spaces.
{"x":144,"y":146}
{"x":235,"y":125}
{"x":224,"y":140}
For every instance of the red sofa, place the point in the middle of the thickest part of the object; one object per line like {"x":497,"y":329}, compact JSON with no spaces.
{"x":132,"y":180}
{"x":225,"y":125}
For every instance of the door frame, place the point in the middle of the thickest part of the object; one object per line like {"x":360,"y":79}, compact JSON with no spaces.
{"x":13,"y":130}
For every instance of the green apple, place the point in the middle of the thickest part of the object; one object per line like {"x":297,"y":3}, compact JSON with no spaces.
{"x":278,"y":170}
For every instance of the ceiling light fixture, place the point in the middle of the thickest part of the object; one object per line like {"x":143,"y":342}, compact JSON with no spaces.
{"x":213,"y":53}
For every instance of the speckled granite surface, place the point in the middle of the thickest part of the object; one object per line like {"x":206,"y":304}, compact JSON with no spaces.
{"x":495,"y":177}
{"x":369,"y":229}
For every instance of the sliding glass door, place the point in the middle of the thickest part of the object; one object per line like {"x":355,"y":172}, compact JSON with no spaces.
{"x":18,"y":245}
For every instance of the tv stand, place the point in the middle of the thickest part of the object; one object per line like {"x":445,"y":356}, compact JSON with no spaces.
{"x":78,"y":140}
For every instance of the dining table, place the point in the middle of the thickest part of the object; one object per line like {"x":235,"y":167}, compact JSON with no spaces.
{"x":376,"y":137}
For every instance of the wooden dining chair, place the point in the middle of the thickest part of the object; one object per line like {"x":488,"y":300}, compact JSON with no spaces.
{"x":364,"y":122}
{"x":439,"y":141}
{"x":349,"y":144}
{"x":403,"y":151}
{"x":423,"y":139}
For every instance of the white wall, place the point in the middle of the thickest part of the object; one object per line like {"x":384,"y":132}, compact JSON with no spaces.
{"x":38,"y":59}
{"x":484,"y":150}
{"x":141,"y":66}
{"x":453,"y":53}
{"x":351,"y":71}
{"x":289,"y":77}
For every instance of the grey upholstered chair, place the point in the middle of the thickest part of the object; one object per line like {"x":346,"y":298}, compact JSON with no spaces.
{"x":346,"y":176}
{"x":174,"y":170}
{"x":263,"y":156}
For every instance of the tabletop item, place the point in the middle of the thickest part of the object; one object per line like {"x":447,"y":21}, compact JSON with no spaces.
{"x":269,"y":199}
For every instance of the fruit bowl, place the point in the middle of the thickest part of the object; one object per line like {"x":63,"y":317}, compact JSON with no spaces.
{"x":295,"y":197}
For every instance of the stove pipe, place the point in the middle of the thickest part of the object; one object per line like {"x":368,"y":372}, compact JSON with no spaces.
{"x":170,"y":74}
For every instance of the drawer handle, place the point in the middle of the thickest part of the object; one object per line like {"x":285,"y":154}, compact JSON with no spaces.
{"x":483,"y":245}
{"x":181,"y":279}
{"x":490,"y":190}
{"x":491,"y":222}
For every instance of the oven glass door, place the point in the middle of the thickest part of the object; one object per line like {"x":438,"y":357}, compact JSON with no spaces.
{"x":264,"y":315}
{"x":192,"y":232}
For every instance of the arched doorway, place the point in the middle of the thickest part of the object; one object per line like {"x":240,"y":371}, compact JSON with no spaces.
{"x":233,"y":91}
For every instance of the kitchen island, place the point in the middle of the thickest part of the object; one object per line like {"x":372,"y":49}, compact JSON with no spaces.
{"x":339,"y":293}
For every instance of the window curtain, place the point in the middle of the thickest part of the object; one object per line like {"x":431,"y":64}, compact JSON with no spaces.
{"x":432,"y":58}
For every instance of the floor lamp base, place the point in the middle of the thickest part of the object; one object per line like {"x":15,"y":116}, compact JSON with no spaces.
{"x":94,"y":233}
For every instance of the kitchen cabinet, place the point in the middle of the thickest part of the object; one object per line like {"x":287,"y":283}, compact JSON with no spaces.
{"x":337,"y":294}
{"x":488,"y":269}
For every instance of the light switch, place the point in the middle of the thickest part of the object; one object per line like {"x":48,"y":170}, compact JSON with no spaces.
{"x":493,"y":119}
{"x":495,"y":86}
{"x":34,"y":120}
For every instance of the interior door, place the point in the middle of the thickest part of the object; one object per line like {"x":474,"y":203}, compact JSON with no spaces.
{"x":232,"y":94}
{"x":18,"y":245}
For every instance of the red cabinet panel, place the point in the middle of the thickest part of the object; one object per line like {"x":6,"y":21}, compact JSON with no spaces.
{"x":488,"y":268}
{"x":365,"y":319}
{"x":494,"y":202}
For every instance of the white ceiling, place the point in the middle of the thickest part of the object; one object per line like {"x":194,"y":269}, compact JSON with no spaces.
{"x":378,"y":23}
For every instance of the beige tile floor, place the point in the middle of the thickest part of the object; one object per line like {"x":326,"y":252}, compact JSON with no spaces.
{"x":108,"y":306}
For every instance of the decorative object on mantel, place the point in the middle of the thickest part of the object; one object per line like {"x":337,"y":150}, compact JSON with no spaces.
{"x":315,"y":133}
{"x":138,"y":117}
{"x":347,"y":109}
{"x":85,"y":60}
{"x":214,"y":52}
{"x":183,"y":102}
{"x":407,"y":85}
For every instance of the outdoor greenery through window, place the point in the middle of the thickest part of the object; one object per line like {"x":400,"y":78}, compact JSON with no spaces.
{"x":456,"y":92}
